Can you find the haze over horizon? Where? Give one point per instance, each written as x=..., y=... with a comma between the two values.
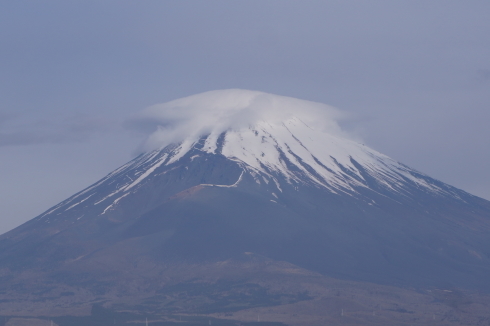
x=413, y=76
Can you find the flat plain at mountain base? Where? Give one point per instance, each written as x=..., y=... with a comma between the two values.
x=274, y=293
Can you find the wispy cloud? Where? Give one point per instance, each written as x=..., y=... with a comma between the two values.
x=19, y=130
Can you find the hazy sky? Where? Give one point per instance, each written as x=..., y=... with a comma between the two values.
x=414, y=75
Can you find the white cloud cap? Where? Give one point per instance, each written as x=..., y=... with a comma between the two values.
x=220, y=110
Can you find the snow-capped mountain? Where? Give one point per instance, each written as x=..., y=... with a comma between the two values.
x=273, y=182
x=274, y=152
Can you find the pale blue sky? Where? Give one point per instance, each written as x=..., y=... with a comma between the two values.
x=414, y=74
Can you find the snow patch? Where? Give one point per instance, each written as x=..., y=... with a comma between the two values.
x=225, y=186
x=114, y=203
x=147, y=172
x=79, y=202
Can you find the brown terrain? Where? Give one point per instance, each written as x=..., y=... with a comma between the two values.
x=296, y=297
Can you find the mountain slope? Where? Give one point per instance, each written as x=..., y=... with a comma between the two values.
x=334, y=198
x=281, y=192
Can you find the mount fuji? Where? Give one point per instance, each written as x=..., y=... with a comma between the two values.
x=246, y=196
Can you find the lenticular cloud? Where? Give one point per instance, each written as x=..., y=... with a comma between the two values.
x=220, y=110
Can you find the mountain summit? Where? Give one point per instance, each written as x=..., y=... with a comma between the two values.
x=238, y=183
